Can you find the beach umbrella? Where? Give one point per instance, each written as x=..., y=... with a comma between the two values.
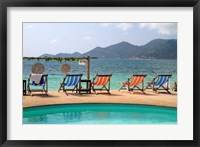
x=59, y=59
x=65, y=68
x=38, y=68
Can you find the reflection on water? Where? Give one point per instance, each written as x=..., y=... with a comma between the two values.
x=100, y=114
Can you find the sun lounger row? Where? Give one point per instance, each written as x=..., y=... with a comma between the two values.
x=100, y=83
x=160, y=82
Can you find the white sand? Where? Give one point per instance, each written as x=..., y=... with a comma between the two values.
x=122, y=97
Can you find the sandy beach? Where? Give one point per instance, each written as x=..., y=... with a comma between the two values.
x=122, y=97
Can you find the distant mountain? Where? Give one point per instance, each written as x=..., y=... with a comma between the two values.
x=155, y=49
x=120, y=50
x=160, y=49
x=46, y=55
x=63, y=55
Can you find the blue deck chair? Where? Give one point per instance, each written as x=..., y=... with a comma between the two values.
x=71, y=80
x=43, y=84
x=158, y=83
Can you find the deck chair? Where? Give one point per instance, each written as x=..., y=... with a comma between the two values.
x=71, y=80
x=101, y=80
x=159, y=83
x=41, y=81
x=133, y=83
x=175, y=86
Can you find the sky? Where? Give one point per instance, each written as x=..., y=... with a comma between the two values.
x=53, y=38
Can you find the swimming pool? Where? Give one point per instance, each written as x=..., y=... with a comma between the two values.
x=99, y=114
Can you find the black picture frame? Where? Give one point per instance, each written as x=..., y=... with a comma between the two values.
x=97, y=3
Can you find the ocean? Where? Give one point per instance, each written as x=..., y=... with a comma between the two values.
x=121, y=70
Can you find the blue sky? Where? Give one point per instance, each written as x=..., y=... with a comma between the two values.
x=53, y=38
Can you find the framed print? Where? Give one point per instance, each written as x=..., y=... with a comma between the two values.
x=82, y=73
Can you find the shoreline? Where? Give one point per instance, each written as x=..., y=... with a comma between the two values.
x=122, y=97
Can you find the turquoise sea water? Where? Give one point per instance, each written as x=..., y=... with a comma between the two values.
x=120, y=69
x=99, y=114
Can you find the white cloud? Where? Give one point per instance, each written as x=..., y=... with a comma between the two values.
x=121, y=26
x=124, y=26
x=87, y=38
x=54, y=41
x=162, y=28
x=106, y=24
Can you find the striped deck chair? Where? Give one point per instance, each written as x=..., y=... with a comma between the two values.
x=43, y=84
x=101, y=80
x=71, y=80
x=159, y=83
x=134, y=81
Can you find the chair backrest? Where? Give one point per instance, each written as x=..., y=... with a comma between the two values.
x=42, y=81
x=72, y=80
x=101, y=80
x=161, y=79
x=136, y=80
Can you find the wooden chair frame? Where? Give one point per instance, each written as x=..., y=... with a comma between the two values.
x=151, y=85
x=124, y=86
x=44, y=87
x=76, y=87
x=103, y=86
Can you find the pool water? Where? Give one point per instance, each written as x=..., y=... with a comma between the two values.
x=99, y=114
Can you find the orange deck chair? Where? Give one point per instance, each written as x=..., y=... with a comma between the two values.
x=101, y=80
x=133, y=82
